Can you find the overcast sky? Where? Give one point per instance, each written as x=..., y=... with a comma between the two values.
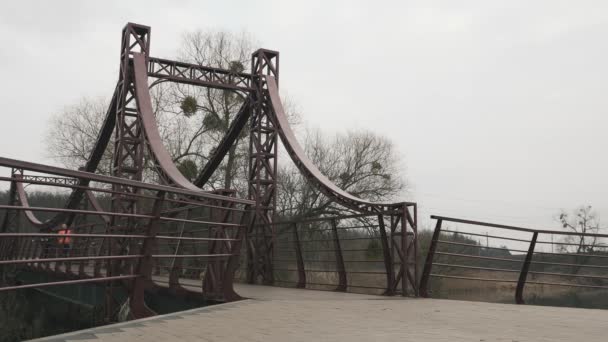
x=499, y=108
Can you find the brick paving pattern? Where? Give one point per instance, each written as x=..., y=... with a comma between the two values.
x=277, y=314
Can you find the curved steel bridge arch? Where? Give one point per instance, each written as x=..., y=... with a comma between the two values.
x=131, y=123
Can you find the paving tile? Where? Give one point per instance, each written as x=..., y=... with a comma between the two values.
x=277, y=314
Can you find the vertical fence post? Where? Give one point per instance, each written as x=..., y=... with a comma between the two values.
x=519, y=291
x=2, y=246
x=428, y=264
x=405, y=263
x=144, y=265
x=30, y=246
x=89, y=251
x=388, y=260
x=252, y=255
x=415, y=242
x=299, y=258
x=21, y=248
x=48, y=249
x=58, y=250
x=339, y=259
x=213, y=277
x=176, y=263
x=247, y=220
x=98, y=263
x=34, y=254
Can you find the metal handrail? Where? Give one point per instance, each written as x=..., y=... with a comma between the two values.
x=525, y=258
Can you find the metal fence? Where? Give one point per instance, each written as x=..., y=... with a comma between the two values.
x=363, y=253
x=524, y=258
x=169, y=232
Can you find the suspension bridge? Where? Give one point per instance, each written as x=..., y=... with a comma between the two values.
x=137, y=246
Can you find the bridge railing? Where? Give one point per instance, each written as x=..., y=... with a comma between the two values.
x=365, y=253
x=545, y=262
x=168, y=231
x=38, y=251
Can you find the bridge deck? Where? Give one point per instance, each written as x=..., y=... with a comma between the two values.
x=278, y=314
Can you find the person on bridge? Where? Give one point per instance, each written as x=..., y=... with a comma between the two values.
x=65, y=242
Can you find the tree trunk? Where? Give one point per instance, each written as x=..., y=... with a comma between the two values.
x=229, y=166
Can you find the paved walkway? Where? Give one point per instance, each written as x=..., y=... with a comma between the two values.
x=277, y=314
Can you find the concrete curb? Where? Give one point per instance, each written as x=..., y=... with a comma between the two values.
x=112, y=328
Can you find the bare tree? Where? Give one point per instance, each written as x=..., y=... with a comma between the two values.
x=73, y=131
x=583, y=221
x=362, y=163
x=207, y=113
x=215, y=109
x=191, y=120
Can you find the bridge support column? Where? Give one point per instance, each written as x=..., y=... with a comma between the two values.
x=129, y=143
x=262, y=170
x=407, y=249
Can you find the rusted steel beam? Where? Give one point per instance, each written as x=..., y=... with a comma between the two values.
x=234, y=260
x=7, y=162
x=387, y=257
x=68, y=282
x=193, y=203
x=262, y=175
x=130, y=142
x=61, y=181
x=129, y=139
x=414, y=241
x=183, y=256
x=129, y=146
x=502, y=226
x=64, y=259
x=396, y=252
x=212, y=280
x=21, y=249
x=35, y=251
x=214, y=275
x=175, y=270
x=199, y=75
x=299, y=258
x=521, y=282
x=10, y=216
x=404, y=255
x=174, y=273
x=428, y=264
x=408, y=243
x=113, y=214
x=24, y=202
x=229, y=139
x=165, y=167
x=20, y=235
x=144, y=266
x=341, y=269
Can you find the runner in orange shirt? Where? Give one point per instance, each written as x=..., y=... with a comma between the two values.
x=65, y=242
